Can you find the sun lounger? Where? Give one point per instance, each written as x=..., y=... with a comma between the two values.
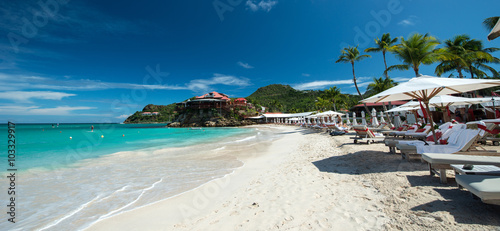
x=445, y=131
x=460, y=141
x=439, y=162
x=487, y=188
x=363, y=133
x=492, y=129
x=410, y=129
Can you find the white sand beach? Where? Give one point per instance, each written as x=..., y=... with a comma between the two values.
x=309, y=180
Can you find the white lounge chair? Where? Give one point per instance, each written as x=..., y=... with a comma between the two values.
x=460, y=141
x=487, y=188
x=363, y=133
x=439, y=162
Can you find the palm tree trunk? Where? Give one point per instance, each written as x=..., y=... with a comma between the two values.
x=471, y=72
x=334, y=107
x=459, y=70
x=356, y=85
x=385, y=63
x=416, y=71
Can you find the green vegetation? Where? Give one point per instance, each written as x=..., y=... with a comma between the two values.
x=385, y=44
x=167, y=113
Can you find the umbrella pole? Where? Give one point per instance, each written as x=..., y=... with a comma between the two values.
x=494, y=110
x=386, y=114
x=431, y=121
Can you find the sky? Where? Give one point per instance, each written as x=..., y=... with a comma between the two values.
x=65, y=61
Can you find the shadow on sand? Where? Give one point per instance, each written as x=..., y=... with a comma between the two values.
x=463, y=207
x=365, y=162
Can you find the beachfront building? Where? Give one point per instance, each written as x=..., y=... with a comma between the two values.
x=240, y=102
x=150, y=113
x=206, y=101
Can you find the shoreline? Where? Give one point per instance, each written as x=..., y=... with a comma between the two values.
x=310, y=180
x=190, y=204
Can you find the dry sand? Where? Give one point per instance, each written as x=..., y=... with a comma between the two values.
x=309, y=180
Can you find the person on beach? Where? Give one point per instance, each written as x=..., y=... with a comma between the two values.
x=92, y=128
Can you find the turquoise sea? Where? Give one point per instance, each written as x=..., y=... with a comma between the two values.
x=69, y=177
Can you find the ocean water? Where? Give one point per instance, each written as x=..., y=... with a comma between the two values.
x=68, y=183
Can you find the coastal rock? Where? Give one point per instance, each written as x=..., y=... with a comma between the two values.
x=210, y=124
x=175, y=124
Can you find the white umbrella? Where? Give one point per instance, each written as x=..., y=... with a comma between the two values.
x=348, y=122
x=448, y=100
x=397, y=120
x=374, y=118
x=354, y=121
x=426, y=87
x=382, y=120
x=495, y=32
x=363, y=119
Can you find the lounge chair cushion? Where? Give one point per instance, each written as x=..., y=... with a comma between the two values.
x=456, y=142
x=439, y=158
x=485, y=187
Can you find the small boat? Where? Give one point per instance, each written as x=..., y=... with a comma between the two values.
x=195, y=128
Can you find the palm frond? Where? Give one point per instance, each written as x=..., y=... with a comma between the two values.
x=490, y=22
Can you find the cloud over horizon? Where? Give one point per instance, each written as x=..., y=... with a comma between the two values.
x=23, y=82
x=264, y=5
x=410, y=21
x=245, y=65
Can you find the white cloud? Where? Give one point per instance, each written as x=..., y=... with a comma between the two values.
x=401, y=79
x=218, y=79
x=35, y=110
x=123, y=116
x=26, y=96
x=410, y=21
x=20, y=82
x=320, y=84
x=265, y=5
x=245, y=65
x=305, y=75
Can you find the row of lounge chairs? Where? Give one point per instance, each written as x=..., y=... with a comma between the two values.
x=457, y=145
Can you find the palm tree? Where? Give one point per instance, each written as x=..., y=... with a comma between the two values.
x=460, y=52
x=479, y=63
x=351, y=55
x=490, y=22
x=379, y=85
x=322, y=104
x=335, y=95
x=416, y=50
x=384, y=44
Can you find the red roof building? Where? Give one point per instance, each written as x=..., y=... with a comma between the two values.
x=214, y=95
x=209, y=100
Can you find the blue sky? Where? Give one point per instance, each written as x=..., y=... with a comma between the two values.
x=100, y=61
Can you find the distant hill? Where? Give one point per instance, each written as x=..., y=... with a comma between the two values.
x=274, y=97
x=166, y=114
x=278, y=97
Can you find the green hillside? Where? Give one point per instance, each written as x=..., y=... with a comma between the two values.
x=283, y=98
x=275, y=97
x=166, y=114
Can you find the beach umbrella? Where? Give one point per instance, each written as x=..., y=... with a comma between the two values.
x=397, y=120
x=424, y=88
x=354, y=121
x=382, y=120
x=495, y=32
x=348, y=122
x=374, y=118
x=363, y=119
